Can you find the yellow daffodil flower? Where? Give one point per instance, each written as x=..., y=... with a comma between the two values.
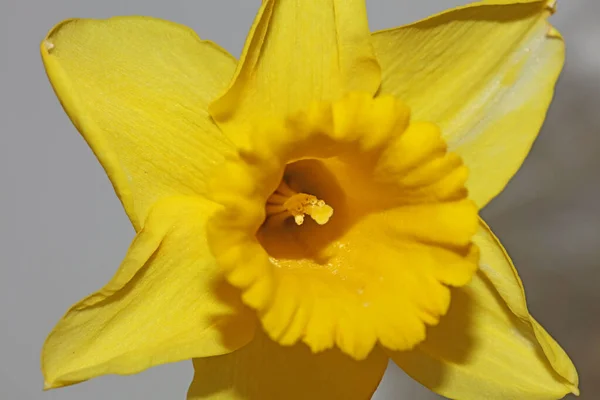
x=308, y=212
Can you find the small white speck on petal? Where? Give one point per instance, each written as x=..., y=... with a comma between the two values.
x=48, y=45
x=551, y=6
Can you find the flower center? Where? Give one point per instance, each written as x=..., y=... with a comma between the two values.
x=286, y=202
x=376, y=271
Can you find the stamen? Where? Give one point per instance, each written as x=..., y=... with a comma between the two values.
x=284, y=189
x=286, y=202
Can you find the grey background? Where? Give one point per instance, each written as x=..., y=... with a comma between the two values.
x=63, y=232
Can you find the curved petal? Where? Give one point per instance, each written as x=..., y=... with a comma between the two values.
x=298, y=52
x=264, y=370
x=485, y=73
x=488, y=346
x=138, y=89
x=167, y=302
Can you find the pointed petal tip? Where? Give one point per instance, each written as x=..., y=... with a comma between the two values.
x=51, y=381
x=58, y=382
x=50, y=384
x=573, y=387
x=553, y=33
x=47, y=44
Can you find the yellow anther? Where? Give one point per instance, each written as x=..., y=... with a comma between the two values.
x=302, y=204
x=285, y=203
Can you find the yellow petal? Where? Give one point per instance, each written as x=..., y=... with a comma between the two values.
x=167, y=302
x=488, y=346
x=298, y=52
x=485, y=73
x=264, y=370
x=138, y=90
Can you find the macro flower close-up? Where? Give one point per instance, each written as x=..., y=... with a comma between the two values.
x=310, y=212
